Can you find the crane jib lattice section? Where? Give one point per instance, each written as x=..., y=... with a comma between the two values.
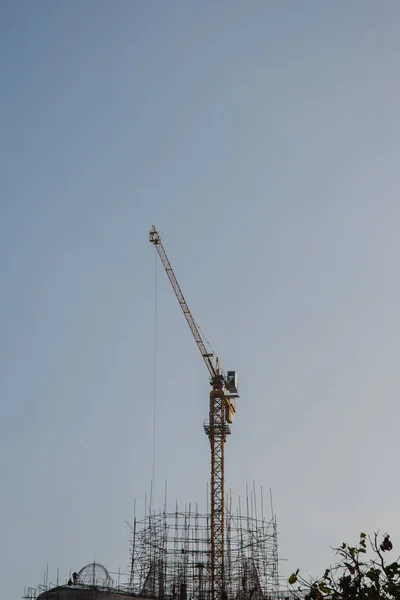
x=181, y=299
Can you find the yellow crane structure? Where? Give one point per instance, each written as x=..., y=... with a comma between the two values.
x=221, y=409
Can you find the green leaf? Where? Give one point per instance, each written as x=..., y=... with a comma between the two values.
x=325, y=589
x=292, y=579
x=363, y=536
x=373, y=574
x=326, y=574
x=370, y=574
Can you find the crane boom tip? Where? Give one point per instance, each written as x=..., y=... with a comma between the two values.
x=154, y=237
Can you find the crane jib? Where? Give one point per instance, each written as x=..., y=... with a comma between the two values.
x=156, y=240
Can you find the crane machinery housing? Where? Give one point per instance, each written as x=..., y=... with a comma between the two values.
x=222, y=407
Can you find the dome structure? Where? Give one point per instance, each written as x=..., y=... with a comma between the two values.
x=94, y=575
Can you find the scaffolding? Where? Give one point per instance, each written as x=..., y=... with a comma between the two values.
x=171, y=559
x=171, y=554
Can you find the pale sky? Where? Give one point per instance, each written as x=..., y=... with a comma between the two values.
x=262, y=139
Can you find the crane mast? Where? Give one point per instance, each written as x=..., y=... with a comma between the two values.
x=221, y=410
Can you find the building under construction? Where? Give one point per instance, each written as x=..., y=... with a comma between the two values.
x=171, y=560
x=225, y=554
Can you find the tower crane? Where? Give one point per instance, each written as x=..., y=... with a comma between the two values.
x=221, y=409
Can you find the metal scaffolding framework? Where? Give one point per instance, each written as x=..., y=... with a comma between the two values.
x=171, y=558
x=171, y=555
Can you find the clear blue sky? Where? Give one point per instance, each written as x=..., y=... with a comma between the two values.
x=262, y=138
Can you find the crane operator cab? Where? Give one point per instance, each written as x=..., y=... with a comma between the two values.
x=231, y=382
x=231, y=388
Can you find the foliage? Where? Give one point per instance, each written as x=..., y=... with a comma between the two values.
x=355, y=576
